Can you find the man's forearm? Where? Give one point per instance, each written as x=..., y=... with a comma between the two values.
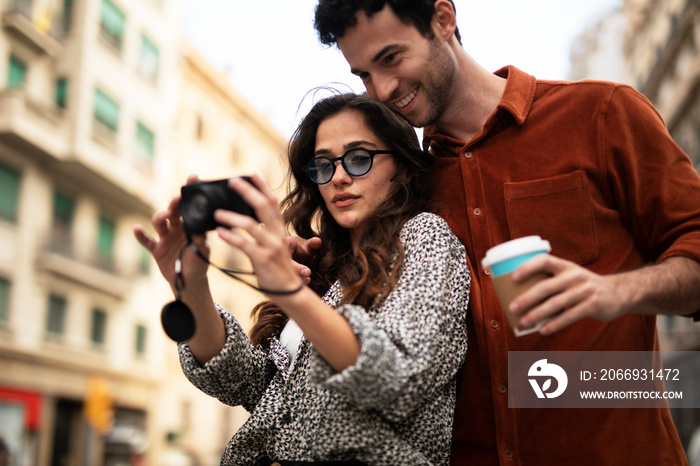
x=671, y=287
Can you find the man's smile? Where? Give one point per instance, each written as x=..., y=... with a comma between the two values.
x=407, y=99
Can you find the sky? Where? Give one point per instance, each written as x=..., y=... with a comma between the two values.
x=271, y=54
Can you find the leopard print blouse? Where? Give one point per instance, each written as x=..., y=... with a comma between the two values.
x=393, y=407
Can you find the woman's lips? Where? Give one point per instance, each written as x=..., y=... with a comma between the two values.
x=344, y=199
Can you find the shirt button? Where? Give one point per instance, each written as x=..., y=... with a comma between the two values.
x=502, y=388
x=468, y=155
x=494, y=323
x=508, y=452
x=477, y=211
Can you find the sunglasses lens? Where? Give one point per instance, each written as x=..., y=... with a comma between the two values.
x=357, y=162
x=320, y=170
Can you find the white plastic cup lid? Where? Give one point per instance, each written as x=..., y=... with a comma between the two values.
x=514, y=248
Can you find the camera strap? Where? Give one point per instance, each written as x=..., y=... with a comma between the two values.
x=233, y=274
x=176, y=317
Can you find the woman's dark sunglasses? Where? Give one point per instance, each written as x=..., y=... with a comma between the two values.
x=356, y=162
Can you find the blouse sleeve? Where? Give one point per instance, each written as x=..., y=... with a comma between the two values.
x=414, y=343
x=239, y=375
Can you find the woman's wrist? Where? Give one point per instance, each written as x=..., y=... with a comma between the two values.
x=294, y=298
x=195, y=294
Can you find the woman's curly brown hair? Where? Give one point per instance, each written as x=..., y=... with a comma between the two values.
x=368, y=266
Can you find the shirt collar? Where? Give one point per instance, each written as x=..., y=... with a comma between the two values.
x=517, y=100
x=519, y=93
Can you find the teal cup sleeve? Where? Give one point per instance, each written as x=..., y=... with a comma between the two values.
x=509, y=265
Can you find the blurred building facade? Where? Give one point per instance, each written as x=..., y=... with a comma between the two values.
x=103, y=110
x=597, y=52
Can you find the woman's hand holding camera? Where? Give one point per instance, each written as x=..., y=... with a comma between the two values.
x=171, y=245
x=267, y=247
x=266, y=241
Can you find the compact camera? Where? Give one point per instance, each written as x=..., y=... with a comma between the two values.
x=202, y=198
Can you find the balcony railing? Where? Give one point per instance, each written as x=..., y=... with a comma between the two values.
x=34, y=127
x=49, y=19
x=60, y=257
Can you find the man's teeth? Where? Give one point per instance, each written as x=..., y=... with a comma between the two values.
x=406, y=100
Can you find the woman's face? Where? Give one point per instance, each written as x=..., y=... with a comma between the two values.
x=353, y=199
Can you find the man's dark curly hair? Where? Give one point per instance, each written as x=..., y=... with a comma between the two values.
x=333, y=17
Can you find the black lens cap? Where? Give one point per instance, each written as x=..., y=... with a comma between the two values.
x=178, y=321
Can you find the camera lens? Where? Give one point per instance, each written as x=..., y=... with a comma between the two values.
x=198, y=207
x=201, y=199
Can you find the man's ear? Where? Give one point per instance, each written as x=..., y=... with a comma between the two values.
x=444, y=21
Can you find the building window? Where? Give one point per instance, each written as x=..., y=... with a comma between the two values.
x=63, y=213
x=148, y=61
x=67, y=15
x=670, y=323
x=99, y=327
x=674, y=23
x=9, y=193
x=105, y=242
x=145, y=261
x=17, y=73
x=199, y=129
x=4, y=301
x=112, y=22
x=106, y=111
x=61, y=92
x=140, y=345
x=55, y=324
x=145, y=143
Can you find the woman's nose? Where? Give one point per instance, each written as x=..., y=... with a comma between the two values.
x=340, y=176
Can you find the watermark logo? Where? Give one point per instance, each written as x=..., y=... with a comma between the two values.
x=603, y=379
x=546, y=372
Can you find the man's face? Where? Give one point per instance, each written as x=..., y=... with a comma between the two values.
x=410, y=73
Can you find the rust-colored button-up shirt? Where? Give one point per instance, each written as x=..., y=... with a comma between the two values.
x=590, y=167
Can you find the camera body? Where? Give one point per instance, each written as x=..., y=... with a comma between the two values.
x=202, y=198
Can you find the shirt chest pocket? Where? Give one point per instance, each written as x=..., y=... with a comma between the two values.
x=559, y=209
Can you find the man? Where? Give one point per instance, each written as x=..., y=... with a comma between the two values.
x=589, y=167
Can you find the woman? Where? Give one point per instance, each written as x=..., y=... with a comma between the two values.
x=367, y=372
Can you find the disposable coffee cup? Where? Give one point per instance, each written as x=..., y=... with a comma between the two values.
x=502, y=260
